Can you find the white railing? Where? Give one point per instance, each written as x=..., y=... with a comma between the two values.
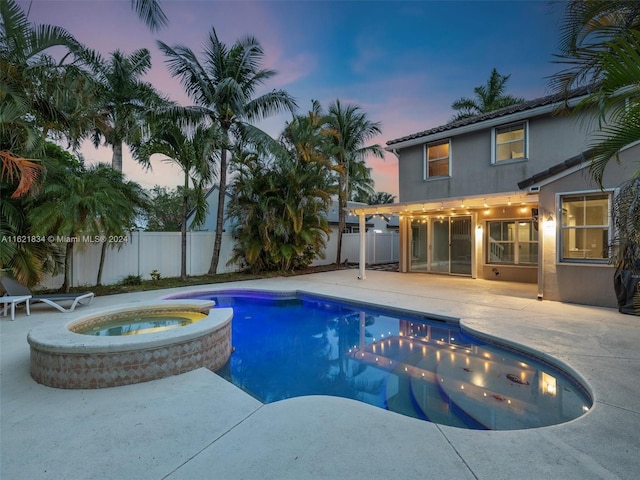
x=143, y=252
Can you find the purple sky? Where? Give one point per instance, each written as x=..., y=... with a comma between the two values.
x=404, y=63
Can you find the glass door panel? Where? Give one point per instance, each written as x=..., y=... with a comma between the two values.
x=440, y=246
x=418, y=246
x=461, y=246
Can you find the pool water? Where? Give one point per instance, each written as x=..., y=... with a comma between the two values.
x=304, y=345
x=135, y=324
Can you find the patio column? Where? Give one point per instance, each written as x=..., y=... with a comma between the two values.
x=363, y=246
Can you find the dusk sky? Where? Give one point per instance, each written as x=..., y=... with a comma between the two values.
x=404, y=63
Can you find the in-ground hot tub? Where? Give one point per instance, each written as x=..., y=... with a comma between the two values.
x=63, y=358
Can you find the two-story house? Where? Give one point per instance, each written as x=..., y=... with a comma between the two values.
x=507, y=195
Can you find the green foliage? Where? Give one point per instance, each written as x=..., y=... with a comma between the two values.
x=164, y=213
x=351, y=133
x=600, y=45
x=488, y=97
x=130, y=280
x=279, y=210
x=150, y=12
x=155, y=275
x=223, y=84
x=122, y=100
x=377, y=198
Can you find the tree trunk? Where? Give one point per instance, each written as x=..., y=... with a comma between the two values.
x=213, y=269
x=103, y=254
x=116, y=158
x=67, y=267
x=183, y=234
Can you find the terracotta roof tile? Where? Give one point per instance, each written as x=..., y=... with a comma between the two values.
x=520, y=107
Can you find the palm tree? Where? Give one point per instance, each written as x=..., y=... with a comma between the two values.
x=30, y=92
x=488, y=97
x=587, y=28
x=33, y=104
x=117, y=216
x=360, y=182
x=150, y=12
x=279, y=208
x=123, y=99
x=351, y=131
x=618, y=102
x=380, y=198
x=223, y=87
x=600, y=44
x=70, y=205
x=193, y=152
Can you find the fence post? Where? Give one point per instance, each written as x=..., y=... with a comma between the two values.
x=139, y=248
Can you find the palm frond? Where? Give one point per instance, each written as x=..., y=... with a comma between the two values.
x=150, y=12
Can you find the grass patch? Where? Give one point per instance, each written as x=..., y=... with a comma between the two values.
x=172, y=282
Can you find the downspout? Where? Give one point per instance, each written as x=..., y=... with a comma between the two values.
x=542, y=232
x=363, y=246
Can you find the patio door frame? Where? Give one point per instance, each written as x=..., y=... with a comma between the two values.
x=432, y=242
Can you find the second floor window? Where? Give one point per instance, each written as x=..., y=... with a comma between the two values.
x=510, y=142
x=437, y=160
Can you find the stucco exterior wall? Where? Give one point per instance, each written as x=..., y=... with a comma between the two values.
x=582, y=283
x=552, y=139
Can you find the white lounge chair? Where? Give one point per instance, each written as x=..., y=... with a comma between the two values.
x=15, y=289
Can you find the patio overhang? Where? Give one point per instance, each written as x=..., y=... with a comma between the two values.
x=451, y=206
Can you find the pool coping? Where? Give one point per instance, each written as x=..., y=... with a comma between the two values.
x=56, y=338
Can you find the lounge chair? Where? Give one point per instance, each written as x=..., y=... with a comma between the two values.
x=12, y=301
x=15, y=289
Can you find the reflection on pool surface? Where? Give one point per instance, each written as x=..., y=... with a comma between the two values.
x=137, y=323
x=303, y=345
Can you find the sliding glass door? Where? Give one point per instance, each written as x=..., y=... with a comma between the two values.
x=440, y=254
x=418, y=246
x=451, y=245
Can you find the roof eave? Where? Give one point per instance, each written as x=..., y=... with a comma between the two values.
x=481, y=125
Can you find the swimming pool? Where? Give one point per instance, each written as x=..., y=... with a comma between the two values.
x=297, y=344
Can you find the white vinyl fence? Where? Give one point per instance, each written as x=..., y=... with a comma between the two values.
x=142, y=252
x=381, y=247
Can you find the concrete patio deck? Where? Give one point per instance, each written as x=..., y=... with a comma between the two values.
x=198, y=426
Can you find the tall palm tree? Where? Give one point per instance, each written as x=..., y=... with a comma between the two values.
x=33, y=102
x=193, y=152
x=488, y=97
x=352, y=130
x=223, y=87
x=123, y=99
